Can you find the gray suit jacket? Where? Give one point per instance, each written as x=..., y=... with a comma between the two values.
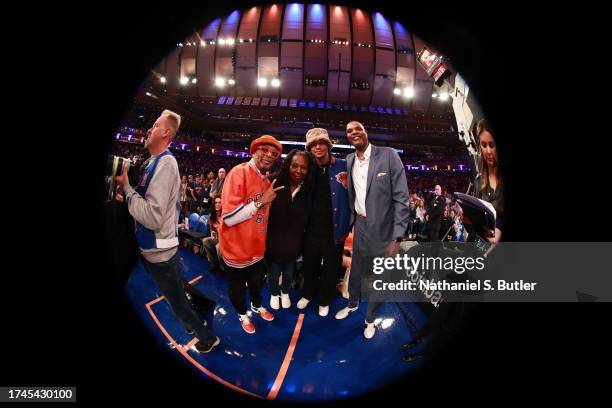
x=386, y=195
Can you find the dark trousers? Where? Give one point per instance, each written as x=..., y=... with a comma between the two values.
x=167, y=276
x=275, y=271
x=238, y=278
x=434, y=230
x=440, y=325
x=317, y=281
x=413, y=226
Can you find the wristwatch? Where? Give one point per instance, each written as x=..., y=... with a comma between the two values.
x=258, y=204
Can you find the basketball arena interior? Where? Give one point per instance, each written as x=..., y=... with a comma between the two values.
x=281, y=70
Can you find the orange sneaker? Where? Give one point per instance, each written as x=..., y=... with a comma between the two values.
x=263, y=312
x=246, y=324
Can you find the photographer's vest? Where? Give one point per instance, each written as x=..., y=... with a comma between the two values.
x=146, y=238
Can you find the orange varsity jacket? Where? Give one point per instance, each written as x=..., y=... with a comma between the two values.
x=244, y=243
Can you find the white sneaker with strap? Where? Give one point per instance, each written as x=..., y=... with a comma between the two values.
x=369, y=330
x=343, y=313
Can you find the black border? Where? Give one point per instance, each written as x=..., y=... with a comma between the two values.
x=61, y=335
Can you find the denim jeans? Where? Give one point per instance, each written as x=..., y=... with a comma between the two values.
x=167, y=276
x=275, y=271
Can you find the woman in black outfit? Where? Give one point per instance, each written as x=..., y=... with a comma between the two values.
x=489, y=184
x=211, y=243
x=488, y=187
x=286, y=225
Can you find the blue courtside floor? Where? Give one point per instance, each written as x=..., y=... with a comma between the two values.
x=298, y=357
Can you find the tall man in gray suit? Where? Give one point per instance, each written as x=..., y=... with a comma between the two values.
x=378, y=197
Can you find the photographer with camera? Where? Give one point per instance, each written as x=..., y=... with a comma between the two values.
x=155, y=206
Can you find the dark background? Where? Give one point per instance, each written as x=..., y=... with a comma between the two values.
x=538, y=75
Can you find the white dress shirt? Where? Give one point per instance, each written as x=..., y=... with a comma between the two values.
x=360, y=180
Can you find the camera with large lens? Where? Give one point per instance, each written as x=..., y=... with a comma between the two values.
x=115, y=166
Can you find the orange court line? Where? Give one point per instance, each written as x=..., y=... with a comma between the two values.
x=191, y=343
x=194, y=280
x=191, y=359
x=191, y=282
x=280, y=377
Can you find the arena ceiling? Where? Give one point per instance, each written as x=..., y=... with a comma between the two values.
x=290, y=67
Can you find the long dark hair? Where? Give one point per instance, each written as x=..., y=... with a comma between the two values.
x=483, y=169
x=284, y=179
x=213, y=213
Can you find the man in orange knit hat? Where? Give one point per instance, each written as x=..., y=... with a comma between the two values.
x=245, y=200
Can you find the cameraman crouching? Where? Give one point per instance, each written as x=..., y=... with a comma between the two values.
x=155, y=206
